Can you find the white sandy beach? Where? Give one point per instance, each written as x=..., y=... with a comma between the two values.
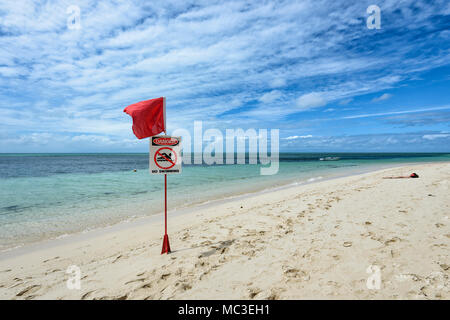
x=311, y=241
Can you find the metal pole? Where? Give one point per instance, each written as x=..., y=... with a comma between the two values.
x=166, y=245
x=165, y=203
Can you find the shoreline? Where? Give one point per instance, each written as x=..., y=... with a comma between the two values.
x=133, y=221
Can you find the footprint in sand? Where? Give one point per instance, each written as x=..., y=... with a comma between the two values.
x=118, y=258
x=164, y=276
x=347, y=244
x=395, y=239
x=445, y=267
x=184, y=286
x=87, y=294
x=146, y=285
x=135, y=280
x=52, y=271
x=296, y=274
x=28, y=290
x=253, y=292
x=55, y=258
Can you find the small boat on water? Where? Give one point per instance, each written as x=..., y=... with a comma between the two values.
x=329, y=159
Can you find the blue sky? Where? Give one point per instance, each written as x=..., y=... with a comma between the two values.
x=309, y=68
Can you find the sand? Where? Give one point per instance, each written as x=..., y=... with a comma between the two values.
x=318, y=241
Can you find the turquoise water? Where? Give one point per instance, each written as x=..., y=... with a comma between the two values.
x=48, y=195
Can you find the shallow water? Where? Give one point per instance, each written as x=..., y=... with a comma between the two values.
x=48, y=195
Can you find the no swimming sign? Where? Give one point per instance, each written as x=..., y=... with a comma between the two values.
x=165, y=155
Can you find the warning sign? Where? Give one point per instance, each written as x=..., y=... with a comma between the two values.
x=165, y=155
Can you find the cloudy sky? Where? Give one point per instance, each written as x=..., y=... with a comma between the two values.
x=312, y=69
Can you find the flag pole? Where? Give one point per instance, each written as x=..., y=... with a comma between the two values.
x=165, y=204
x=166, y=245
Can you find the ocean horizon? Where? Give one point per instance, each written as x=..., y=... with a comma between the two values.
x=48, y=195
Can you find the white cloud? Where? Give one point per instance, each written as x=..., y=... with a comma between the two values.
x=357, y=116
x=345, y=101
x=298, y=137
x=278, y=82
x=270, y=96
x=436, y=136
x=384, y=96
x=310, y=101
x=385, y=142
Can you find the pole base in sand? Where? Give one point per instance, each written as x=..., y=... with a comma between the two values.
x=166, y=245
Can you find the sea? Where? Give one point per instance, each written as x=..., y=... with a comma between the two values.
x=45, y=196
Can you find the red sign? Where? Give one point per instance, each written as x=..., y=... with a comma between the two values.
x=165, y=158
x=165, y=141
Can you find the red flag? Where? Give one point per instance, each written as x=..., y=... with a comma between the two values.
x=149, y=117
